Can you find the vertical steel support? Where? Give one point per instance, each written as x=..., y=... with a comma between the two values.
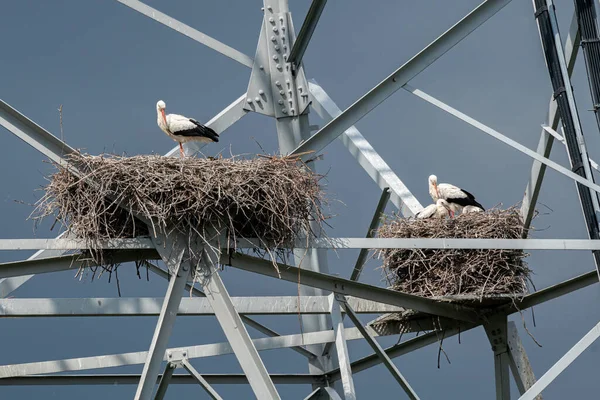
x=519, y=362
x=378, y=349
x=590, y=42
x=341, y=347
x=233, y=327
x=181, y=270
x=362, y=256
x=563, y=93
x=538, y=169
x=205, y=385
x=275, y=91
x=164, y=381
x=496, y=330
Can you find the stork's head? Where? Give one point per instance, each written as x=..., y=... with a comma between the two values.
x=433, y=184
x=160, y=109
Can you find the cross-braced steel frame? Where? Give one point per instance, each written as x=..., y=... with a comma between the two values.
x=278, y=88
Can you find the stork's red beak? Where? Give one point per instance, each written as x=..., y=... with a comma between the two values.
x=436, y=190
x=163, y=115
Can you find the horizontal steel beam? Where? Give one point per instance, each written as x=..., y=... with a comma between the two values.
x=504, y=139
x=326, y=243
x=198, y=306
x=133, y=379
x=400, y=77
x=350, y=288
x=197, y=351
x=188, y=31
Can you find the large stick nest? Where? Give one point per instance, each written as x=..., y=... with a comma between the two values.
x=270, y=198
x=451, y=272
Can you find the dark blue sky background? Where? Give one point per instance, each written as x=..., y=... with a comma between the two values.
x=108, y=65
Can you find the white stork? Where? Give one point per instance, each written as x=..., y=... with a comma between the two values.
x=440, y=209
x=457, y=197
x=183, y=129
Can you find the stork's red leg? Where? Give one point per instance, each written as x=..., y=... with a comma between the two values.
x=181, y=150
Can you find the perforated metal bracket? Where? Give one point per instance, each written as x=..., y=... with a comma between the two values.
x=176, y=357
x=273, y=89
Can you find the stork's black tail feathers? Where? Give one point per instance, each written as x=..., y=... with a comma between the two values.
x=205, y=131
x=476, y=204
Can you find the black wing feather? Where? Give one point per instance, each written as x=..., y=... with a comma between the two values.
x=199, y=130
x=465, y=201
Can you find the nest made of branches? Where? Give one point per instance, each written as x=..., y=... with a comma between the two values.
x=271, y=198
x=450, y=272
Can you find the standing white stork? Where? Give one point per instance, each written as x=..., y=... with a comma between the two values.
x=440, y=209
x=183, y=129
x=457, y=197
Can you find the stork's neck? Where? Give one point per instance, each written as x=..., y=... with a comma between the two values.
x=161, y=119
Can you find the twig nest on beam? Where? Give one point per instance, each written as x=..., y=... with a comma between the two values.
x=271, y=198
x=450, y=272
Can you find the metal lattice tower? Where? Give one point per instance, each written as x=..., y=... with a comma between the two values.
x=278, y=88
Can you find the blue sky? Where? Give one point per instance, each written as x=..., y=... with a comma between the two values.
x=108, y=65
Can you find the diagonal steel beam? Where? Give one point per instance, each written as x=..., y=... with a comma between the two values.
x=188, y=31
x=33, y=134
x=562, y=364
x=165, y=379
x=398, y=350
x=538, y=169
x=173, y=257
x=558, y=290
x=249, y=321
x=341, y=348
x=234, y=329
x=378, y=350
x=306, y=32
x=139, y=357
x=400, y=77
x=200, y=379
x=348, y=287
x=362, y=256
x=57, y=263
x=504, y=139
x=365, y=154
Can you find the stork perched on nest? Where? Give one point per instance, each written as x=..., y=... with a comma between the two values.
x=183, y=129
x=440, y=209
x=457, y=198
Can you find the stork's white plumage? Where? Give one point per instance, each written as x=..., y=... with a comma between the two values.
x=441, y=209
x=183, y=129
x=471, y=209
x=457, y=198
